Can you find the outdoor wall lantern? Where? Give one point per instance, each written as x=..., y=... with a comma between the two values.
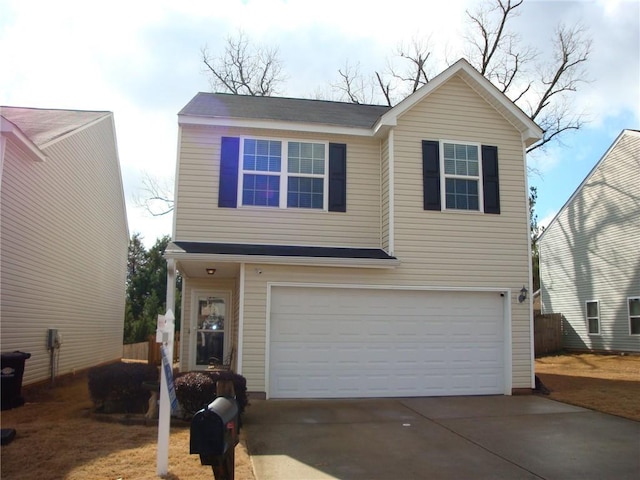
x=211, y=271
x=523, y=294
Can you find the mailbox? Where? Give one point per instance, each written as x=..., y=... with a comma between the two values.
x=214, y=431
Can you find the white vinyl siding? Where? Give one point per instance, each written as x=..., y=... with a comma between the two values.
x=64, y=252
x=590, y=251
x=198, y=217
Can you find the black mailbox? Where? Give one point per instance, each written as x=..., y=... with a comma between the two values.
x=214, y=430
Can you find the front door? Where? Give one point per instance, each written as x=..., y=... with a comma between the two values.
x=210, y=326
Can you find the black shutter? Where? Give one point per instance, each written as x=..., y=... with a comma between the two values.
x=337, y=177
x=431, y=174
x=490, y=182
x=228, y=187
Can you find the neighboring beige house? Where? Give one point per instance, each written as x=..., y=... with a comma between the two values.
x=339, y=250
x=590, y=255
x=64, y=239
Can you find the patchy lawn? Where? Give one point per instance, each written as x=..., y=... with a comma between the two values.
x=607, y=383
x=57, y=439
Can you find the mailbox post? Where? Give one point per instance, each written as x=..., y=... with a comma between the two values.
x=214, y=436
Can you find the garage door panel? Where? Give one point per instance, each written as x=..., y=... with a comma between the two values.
x=367, y=342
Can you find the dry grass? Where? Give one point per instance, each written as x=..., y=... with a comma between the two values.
x=607, y=383
x=57, y=439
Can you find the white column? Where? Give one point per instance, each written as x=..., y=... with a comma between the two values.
x=165, y=336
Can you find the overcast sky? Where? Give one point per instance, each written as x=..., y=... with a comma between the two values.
x=141, y=60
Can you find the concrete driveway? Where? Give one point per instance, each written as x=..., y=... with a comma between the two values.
x=497, y=437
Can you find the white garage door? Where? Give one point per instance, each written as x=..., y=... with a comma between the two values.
x=336, y=343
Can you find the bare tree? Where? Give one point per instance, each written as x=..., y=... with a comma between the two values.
x=550, y=109
x=244, y=68
x=539, y=87
x=497, y=53
x=394, y=82
x=155, y=196
x=353, y=86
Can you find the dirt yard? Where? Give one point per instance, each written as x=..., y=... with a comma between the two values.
x=607, y=383
x=58, y=439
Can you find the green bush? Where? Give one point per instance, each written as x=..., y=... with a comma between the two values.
x=196, y=390
x=117, y=387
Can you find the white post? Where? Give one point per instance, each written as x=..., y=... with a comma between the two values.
x=165, y=336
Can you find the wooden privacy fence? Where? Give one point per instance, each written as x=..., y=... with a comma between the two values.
x=136, y=351
x=547, y=333
x=149, y=350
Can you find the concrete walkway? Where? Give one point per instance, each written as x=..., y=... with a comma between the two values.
x=496, y=437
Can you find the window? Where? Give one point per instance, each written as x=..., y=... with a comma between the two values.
x=461, y=176
x=593, y=317
x=634, y=315
x=283, y=174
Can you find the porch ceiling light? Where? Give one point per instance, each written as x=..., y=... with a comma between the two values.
x=211, y=271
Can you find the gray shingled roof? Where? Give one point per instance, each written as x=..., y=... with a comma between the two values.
x=44, y=125
x=225, y=105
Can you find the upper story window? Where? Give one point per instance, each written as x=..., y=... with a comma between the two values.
x=634, y=315
x=460, y=176
x=593, y=317
x=462, y=186
x=283, y=174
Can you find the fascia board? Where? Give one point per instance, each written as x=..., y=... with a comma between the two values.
x=23, y=142
x=274, y=260
x=274, y=125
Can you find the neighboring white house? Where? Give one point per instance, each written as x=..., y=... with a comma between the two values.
x=590, y=255
x=339, y=250
x=64, y=239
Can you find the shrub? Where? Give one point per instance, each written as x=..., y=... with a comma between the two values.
x=196, y=390
x=117, y=387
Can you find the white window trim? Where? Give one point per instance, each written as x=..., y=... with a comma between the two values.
x=284, y=174
x=444, y=176
x=587, y=317
x=629, y=314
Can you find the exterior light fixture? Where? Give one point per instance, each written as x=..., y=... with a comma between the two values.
x=523, y=294
x=211, y=271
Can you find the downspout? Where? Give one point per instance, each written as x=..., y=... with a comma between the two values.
x=392, y=243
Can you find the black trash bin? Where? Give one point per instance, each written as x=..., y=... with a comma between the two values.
x=12, y=367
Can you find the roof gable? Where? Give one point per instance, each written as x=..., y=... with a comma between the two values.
x=43, y=126
x=603, y=159
x=529, y=130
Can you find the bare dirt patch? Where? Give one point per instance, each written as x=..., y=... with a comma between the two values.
x=607, y=383
x=58, y=439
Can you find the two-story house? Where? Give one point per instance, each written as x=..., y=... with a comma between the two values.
x=341, y=250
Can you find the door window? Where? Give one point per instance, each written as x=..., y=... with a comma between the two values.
x=210, y=331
